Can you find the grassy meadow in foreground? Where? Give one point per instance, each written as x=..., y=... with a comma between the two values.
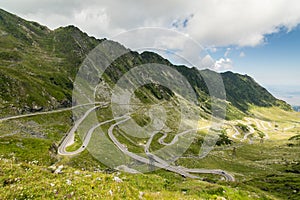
x=267, y=170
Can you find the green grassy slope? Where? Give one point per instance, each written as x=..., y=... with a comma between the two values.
x=19, y=182
x=38, y=67
x=37, y=70
x=242, y=90
x=37, y=64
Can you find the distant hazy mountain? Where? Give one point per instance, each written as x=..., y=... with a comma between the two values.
x=296, y=108
x=289, y=93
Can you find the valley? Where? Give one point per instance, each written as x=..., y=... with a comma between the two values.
x=69, y=134
x=253, y=158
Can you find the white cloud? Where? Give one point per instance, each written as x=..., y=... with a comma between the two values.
x=223, y=64
x=210, y=22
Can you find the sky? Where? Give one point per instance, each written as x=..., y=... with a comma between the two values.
x=254, y=37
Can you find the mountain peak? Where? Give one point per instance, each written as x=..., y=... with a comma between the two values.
x=65, y=48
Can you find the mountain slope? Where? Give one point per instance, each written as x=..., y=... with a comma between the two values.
x=37, y=64
x=242, y=90
x=37, y=70
x=38, y=67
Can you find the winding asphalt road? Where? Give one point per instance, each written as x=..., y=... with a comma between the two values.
x=46, y=112
x=69, y=138
x=223, y=173
x=158, y=162
x=143, y=159
x=236, y=133
x=259, y=124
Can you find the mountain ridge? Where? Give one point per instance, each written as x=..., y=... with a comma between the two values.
x=31, y=52
x=258, y=146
